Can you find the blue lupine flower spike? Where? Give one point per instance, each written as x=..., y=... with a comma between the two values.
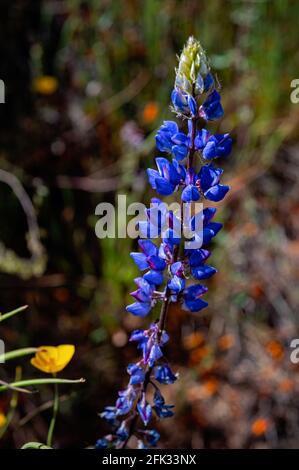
x=171, y=270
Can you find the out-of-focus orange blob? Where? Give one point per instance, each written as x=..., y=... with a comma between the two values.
x=193, y=340
x=226, y=342
x=286, y=386
x=210, y=386
x=259, y=426
x=200, y=353
x=275, y=349
x=150, y=112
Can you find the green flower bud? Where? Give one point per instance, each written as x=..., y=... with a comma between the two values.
x=193, y=68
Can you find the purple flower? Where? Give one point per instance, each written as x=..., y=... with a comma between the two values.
x=209, y=178
x=145, y=290
x=169, y=139
x=191, y=191
x=211, y=108
x=218, y=145
x=137, y=374
x=164, y=375
x=139, y=309
x=126, y=400
x=166, y=179
x=148, y=259
x=168, y=266
x=208, y=82
x=144, y=410
x=122, y=432
x=109, y=414
x=183, y=102
x=150, y=342
x=197, y=257
x=179, y=100
x=101, y=443
x=152, y=436
x=177, y=282
x=162, y=410
x=192, y=298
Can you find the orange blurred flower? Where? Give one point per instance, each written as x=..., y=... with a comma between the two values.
x=210, y=386
x=286, y=386
x=193, y=340
x=226, y=342
x=150, y=112
x=256, y=290
x=199, y=354
x=275, y=349
x=259, y=426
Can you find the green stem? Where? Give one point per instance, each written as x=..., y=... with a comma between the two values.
x=5, y=316
x=28, y=383
x=16, y=353
x=13, y=404
x=55, y=412
x=35, y=445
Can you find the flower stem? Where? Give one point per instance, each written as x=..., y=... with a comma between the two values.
x=28, y=383
x=55, y=412
x=16, y=353
x=13, y=404
x=5, y=316
x=35, y=445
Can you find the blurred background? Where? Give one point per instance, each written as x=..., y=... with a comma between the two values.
x=87, y=85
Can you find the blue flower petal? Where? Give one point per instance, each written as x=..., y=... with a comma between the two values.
x=195, y=291
x=179, y=152
x=195, y=305
x=140, y=260
x=190, y=193
x=216, y=193
x=208, y=82
x=198, y=257
x=212, y=109
x=152, y=175
x=164, y=187
x=203, y=272
x=156, y=263
x=192, y=105
x=148, y=247
x=164, y=375
x=209, y=176
x=180, y=139
x=154, y=277
x=201, y=139
x=208, y=214
x=145, y=411
x=140, y=309
x=179, y=101
x=176, y=284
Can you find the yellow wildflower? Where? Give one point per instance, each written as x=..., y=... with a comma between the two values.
x=52, y=359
